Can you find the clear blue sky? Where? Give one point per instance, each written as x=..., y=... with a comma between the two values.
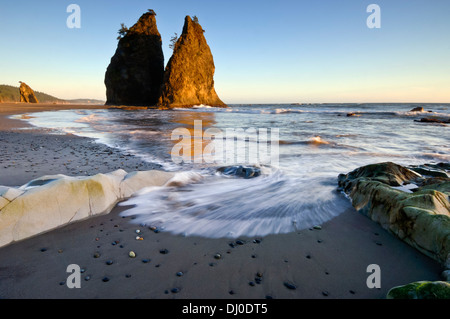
x=264, y=51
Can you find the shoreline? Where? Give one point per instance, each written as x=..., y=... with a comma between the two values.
x=28, y=152
x=330, y=262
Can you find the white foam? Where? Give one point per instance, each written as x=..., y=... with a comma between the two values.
x=406, y=188
x=232, y=207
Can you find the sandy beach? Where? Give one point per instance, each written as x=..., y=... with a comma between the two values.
x=329, y=263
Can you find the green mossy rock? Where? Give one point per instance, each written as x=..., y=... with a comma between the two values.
x=421, y=290
x=420, y=216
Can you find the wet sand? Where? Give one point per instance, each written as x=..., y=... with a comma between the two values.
x=326, y=263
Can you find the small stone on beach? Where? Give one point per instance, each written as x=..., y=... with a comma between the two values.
x=289, y=285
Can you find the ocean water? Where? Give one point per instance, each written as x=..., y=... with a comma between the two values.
x=297, y=150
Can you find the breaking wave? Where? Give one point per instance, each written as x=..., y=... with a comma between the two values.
x=220, y=206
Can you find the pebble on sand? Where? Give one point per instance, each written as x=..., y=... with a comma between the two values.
x=289, y=285
x=132, y=254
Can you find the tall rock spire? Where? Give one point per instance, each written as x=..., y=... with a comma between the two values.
x=136, y=71
x=27, y=94
x=189, y=74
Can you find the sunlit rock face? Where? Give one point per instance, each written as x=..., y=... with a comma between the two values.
x=27, y=94
x=189, y=75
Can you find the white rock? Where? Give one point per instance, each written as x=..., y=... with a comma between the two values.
x=52, y=201
x=3, y=202
x=135, y=181
x=10, y=193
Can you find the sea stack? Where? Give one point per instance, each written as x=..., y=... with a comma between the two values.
x=136, y=71
x=189, y=74
x=27, y=94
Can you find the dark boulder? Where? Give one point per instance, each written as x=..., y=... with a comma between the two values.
x=240, y=171
x=136, y=71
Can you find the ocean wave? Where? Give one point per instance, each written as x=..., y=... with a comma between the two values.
x=142, y=132
x=318, y=111
x=437, y=156
x=202, y=106
x=233, y=207
x=314, y=141
x=91, y=118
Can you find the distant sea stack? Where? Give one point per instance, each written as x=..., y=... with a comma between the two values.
x=27, y=94
x=136, y=71
x=189, y=74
